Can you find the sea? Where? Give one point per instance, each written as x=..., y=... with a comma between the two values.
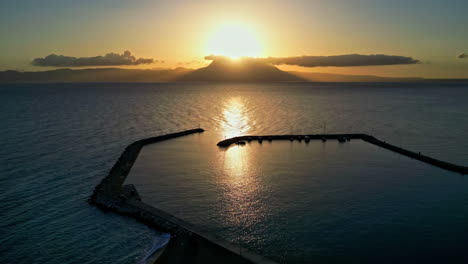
x=290, y=201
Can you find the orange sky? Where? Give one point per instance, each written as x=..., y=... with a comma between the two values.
x=181, y=33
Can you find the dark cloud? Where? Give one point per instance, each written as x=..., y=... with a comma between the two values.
x=334, y=61
x=191, y=62
x=215, y=57
x=110, y=59
x=343, y=60
x=462, y=56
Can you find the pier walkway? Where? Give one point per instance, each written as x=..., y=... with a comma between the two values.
x=343, y=137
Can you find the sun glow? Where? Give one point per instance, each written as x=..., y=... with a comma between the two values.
x=234, y=40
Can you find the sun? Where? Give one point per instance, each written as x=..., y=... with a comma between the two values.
x=234, y=39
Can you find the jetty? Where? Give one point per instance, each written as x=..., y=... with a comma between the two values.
x=346, y=137
x=188, y=243
x=192, y=244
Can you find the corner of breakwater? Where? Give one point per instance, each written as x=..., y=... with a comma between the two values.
x=368, y=138
x=189, y=244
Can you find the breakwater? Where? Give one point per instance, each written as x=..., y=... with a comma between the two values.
x=189, y=243
x=343, y=137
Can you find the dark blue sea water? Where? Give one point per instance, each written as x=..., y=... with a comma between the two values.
x=321, y=202
x=60, y=140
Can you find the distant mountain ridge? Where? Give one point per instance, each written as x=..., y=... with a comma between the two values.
x=331, y=77
x=220, y=70
x=240, y=70
x=93, y=75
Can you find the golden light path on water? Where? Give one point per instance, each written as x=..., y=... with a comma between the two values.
x=274, y=197
x=239, y=177
x=235, y=120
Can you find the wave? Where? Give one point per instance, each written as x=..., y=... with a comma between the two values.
x=158, y=243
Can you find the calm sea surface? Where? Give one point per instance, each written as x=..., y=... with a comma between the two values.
x=292, y=202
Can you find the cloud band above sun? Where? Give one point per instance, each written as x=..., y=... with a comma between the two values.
x=110, y=59
x=348, y=60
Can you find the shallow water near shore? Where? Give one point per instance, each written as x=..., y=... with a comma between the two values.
x=60, y=140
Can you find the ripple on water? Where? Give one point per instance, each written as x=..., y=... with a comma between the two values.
x=59, y=141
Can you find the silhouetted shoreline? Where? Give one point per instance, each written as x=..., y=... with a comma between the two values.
x=211, y=73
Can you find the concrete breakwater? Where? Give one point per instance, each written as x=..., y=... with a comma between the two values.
x=189, y=244
x=370, y=139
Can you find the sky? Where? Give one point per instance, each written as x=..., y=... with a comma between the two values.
x=181, y=33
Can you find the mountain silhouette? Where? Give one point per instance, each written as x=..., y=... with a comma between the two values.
x=224, y=69
x=221, y=69
x=332, y=77
x=93, y=75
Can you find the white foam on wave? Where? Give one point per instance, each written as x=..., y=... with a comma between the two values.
x=158, y=242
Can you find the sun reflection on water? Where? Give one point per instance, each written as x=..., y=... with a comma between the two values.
x=242, y=189
x=236, y=161
x=239, y=177
x=235, y=119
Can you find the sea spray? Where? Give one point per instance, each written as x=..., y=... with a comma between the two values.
x=158, y=243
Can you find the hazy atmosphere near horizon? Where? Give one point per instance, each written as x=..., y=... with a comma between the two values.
x=170, y=34
x=173, y=132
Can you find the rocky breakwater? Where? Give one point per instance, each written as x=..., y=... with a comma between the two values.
x=188, y=244
x=343, y=138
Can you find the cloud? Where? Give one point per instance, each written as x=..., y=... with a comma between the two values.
x=191, y=62
x=463, y=56
x=215, y=57
x=334, y=61
x=110, y=59
x=343, y=60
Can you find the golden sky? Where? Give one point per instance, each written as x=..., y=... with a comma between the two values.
x=181, y=33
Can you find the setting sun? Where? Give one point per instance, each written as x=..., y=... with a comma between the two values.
x=234, y=40
x=298, y=131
